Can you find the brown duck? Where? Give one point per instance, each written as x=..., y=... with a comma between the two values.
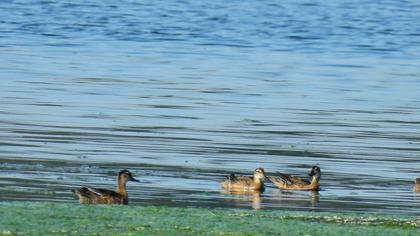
x=286, y=181
x=417, y=185
x=89, y=195
x=245, y=183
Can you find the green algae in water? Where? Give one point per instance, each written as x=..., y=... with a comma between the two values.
x=24, y=218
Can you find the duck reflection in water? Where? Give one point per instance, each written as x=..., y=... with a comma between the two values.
x=298, y=199
x=245, y=197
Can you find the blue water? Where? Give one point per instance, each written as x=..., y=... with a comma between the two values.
x=184, y=92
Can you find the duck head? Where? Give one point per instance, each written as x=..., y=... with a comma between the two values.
x=124, y=176
x=315, y=173
x=259, y=174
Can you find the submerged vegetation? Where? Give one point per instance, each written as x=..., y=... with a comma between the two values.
x=34, y=218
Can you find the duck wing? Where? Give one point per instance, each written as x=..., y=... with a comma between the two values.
x=291, y=179
x=98, y=192
x=240, y=179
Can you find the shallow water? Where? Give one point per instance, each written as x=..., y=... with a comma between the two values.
x=183, y=93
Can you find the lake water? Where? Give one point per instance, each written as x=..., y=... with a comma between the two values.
x=184, y=92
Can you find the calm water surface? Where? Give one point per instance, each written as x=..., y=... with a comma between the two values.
x=184, y=92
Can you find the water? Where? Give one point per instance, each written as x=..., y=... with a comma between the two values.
x=184, y=92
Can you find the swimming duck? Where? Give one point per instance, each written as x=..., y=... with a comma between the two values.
x=417, y=185
x=241, y=183
x=89, y=195
x=286, y=181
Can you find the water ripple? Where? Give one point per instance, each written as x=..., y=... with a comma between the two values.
x=183, y=93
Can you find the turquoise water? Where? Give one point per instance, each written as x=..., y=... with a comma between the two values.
x=184, y=92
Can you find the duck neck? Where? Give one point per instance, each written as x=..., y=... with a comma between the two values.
x=315, y=179
x=258, y=182
x=121, y=187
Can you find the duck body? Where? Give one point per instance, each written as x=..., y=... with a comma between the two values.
x=245, y=183
x=287, y=181
x=90, y=195
x=416, y=185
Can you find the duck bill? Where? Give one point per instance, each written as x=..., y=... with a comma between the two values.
x=135, y=180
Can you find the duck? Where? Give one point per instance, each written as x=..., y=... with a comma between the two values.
x=89, y=195
x=287, y=181
x=245, y=183
x=416, y=185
